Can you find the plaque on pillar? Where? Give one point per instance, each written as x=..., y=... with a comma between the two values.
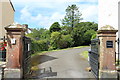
x=13, y=41
x=109, y=44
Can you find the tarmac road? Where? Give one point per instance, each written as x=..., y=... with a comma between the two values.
x=64, y=64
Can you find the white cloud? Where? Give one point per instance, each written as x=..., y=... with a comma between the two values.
x=40, y=19
x=88, y=0
x=90, y=13
x=45, y=12
x=47, y=1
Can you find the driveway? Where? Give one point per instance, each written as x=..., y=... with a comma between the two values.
x=64, y=64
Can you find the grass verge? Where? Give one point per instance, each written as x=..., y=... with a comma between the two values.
x=84, y=54
x=42, y=52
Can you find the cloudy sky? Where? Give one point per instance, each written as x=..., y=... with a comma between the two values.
x=42, y=13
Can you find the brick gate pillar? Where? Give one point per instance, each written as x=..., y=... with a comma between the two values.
x=15, y=34
x=107, y=37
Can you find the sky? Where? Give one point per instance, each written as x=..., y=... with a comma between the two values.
x=43, y=13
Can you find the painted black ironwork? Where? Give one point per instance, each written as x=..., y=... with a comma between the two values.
x=2, y=52
x=118, y=53
x=3, y=39
x=26, y=56
x=3, y=55
x=94, y=57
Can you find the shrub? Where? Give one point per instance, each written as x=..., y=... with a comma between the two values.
x=40, y=45
x=65, y=41
x=94, y=36
x=55, y=27
x=88, y=36
x=54, y=40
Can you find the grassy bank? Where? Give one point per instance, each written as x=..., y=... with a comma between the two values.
x=43, y=52
x=84, y=54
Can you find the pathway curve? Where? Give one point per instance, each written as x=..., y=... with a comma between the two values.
x=64, y=64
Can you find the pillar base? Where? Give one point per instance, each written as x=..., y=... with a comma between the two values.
x=12, y=73
x=103, y=74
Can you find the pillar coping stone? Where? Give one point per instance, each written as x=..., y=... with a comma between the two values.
x=106, y=29
x=16, y=27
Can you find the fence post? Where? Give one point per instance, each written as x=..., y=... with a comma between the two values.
x=13, y=68
x=107, y=37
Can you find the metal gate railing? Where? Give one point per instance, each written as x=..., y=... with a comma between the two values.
x=26, y=56
x=3, y=44
x=118, y=53
x=94, y=57
x=3, y=55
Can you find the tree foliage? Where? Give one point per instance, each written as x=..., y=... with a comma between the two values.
x=81, y=34
x=39, y=34
x=39, y=45
x=73, y=16
x=87, y=36
x=66, y=41
x=54, y=40
x=71, y=33
x=55, y=27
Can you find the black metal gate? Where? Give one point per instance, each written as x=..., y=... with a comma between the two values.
x=94, y=57
x=3, y=44
x=118, y=53
x=3, y=55
x=26, y=56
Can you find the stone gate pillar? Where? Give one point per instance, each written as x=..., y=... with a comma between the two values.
x=107, y=37
x=14, y=51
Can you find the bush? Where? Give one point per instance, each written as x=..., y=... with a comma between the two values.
x=94, y=36
x=54, y=40
x=40, y=45
x=87, y=36
x=59, y=41
x=77, y=35
x=65, y=41
x=55, y=27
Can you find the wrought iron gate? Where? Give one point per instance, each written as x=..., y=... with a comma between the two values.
x=118, y=53
x=3, y=49
x=3, y=55
x=26, y=56
x=94, y=57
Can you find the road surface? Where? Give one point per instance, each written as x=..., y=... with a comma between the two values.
x=64, y=64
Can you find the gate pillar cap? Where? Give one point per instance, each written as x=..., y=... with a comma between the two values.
x=107, y=29
x=16, y=27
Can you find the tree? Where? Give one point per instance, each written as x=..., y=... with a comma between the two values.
x=39, y=34
x=77, y=35
x=73, y=16
x=94, y=36
x=65, y=41
x=88, y=35
x=87, y=26
x=55, y=27
x=82, y=33
x=54, y=40
x=45, y=35
x=65, y=30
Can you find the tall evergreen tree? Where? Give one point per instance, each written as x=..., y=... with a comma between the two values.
x=72, y=17
x=55, y=27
